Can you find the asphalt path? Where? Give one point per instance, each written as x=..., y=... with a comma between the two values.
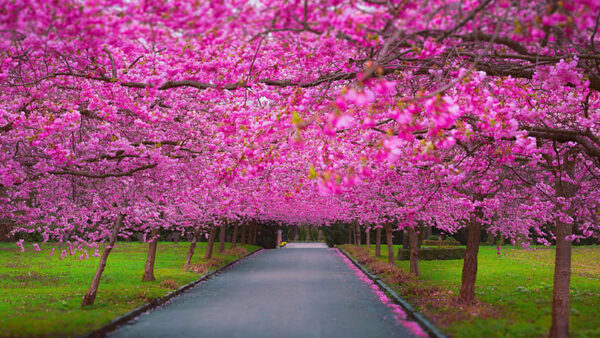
x=298, y=291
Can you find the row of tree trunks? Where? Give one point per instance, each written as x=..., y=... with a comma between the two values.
x=90, y=295
x=148, y=275
x=253, y=233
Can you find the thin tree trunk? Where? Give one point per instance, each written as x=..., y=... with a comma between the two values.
x=368, y=237
x=188, y=260
x=253, y=231
x=358, y=235
x=255, y=237
x=90, y=295
x=236, y=225
x=151, y=258
x=413, y=240
x=211, y=242
x=349, y=234
x=562, y=282
x=222, y=238
x=469, y=271
x=390, y=244
x=250, y=233
x=378, y=242
x=244, y=228
x=405, y=244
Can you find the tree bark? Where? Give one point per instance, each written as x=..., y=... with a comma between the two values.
x=405, y=244
x=254, y=233
x=469, y=271
x=90, y=295
x=413, y=240
x=188, y=260
x=562, y=282
x=349, y=234
x=222, y=238
x=390, y=244
x=151, y=258
x=358, y=234
x=244, y=230
x=211, y=242
x=236, y=225
x=368, y=237
x=378, y=242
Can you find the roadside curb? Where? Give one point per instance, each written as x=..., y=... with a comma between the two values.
x=119, y=321
x=427, y=326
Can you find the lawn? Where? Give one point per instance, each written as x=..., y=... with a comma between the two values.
x=41, y=294
x=518, y=284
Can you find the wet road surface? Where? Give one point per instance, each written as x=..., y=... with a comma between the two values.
x=297, y=291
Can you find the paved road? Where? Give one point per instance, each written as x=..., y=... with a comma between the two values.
x=290, y=292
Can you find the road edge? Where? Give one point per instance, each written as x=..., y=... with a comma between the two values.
x=425, y=324
x=124, y=319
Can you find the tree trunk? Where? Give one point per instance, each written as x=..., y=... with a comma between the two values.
x=469, y=271
x=254, y=233
x=90, y=295
x=413, y=240
x=251, y=233
x=368, y=237
x=405, y=244
x=390, y=244
x=188, y=260
x=235, y=235
x=349, y=234
x=244, y=228
x=358, y=235
x=151, y=258
x=562, y=281
x=378, y=242
x=211, y=242
x=222, y=238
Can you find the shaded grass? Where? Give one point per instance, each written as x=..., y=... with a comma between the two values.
x=517, y=284
x=41, y=294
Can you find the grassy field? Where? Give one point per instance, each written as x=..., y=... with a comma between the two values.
x=41, y=294
x=517, y=286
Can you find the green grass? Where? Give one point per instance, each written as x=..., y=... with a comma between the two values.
x=519, y=284
x=41, y=295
